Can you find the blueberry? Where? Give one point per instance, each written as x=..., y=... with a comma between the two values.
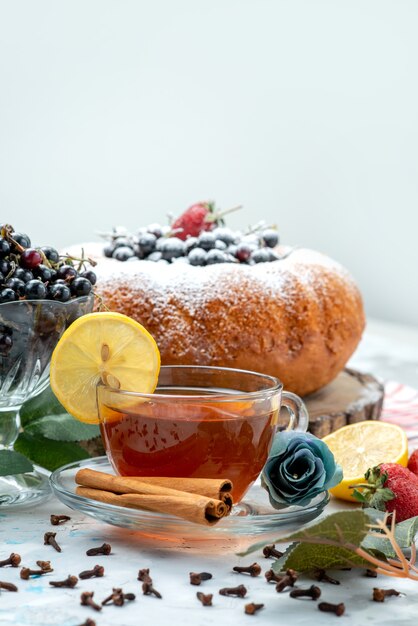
x=7, y=295
x=147, y=243
x=206, y=241
x=4, y=247
x=22, y=274
x=123, y=253
x=66, y=272
x=215, y=256
x=155, y=256
x=59, y=291
x=262, y=255
x=51, y=254
x=190, y=243
x=108, y=250
x=224, y=234
x=172, y=248
x=270, y=237
x=5, y=267
x=197, y=256
x=17, y=285
x=6, y=344
x=35, y=290
x=232, y=249
x=80, y=287
x=156, y=230
x=22, y=239
x=220, y=245
x=243, y=251
x=91, y=276
x=44, y=273
x=121, y=242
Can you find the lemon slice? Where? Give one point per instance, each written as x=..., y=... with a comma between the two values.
x=107, y=347
x=359, y=446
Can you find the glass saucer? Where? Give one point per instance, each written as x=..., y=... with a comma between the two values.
x=252, y=516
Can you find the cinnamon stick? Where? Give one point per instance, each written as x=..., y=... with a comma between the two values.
x=189, y=506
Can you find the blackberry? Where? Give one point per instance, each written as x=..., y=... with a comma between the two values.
x=270, y=237
x=80, y=287
x=206, y=241
x=35, y=290
x=51, y=254
x=123, y=253
x=59, y=291
x=197, y=256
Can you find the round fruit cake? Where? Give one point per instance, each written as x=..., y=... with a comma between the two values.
x=298, y=317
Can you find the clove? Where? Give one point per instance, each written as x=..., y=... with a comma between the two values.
x=205, y=598
x=271, y=576
x=252, y=608
x=86, y=599
x=288, y=580
x=239, y=591
x=56, y=520
x=8, y=586
x=312, y=592
x=96, y=572
x=143, y=575
x=327, y=607
x=26, y=572
x=105, y=548
x=88, y=622
x=196, y=579
x=370, y=573
x=253, y=570
x=379, y=595
x=49, y=539
x=117, y=597
x=70, y=582
x=13, y=560
x=45, y=565
x=270, y=551
x=148, y=589
x=322, y=577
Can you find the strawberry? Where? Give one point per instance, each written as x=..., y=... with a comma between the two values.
x=390, y=487
x=413, y=463
x=198, y=218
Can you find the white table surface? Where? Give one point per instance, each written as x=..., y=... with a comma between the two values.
x=386, y=350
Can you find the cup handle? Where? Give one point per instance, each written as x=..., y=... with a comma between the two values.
x=298, y=413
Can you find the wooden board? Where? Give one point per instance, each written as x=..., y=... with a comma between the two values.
x=351, y=397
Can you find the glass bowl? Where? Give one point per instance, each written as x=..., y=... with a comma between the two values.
x=29, y=332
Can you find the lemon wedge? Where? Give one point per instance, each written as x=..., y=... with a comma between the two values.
x=107, y=347
x=359, y=446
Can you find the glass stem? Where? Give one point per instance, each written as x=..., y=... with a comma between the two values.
x=9, y=427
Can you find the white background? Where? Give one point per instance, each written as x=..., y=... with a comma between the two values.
x=306, y=112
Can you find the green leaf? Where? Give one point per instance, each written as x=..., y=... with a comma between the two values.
x=48, y=453
x=12, y=462
x=406, y=531
x=44, y=403
x=305, y=557
x=63, y=427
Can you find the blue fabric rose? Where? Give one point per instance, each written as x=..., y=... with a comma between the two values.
x=299, y=467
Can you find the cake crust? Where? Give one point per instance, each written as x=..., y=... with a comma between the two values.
x=299, y=318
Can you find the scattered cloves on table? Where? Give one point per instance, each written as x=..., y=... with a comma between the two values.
x=26, y=572
x=252, y=608
x=8, y=586
x=253, y=570
x=327, y=607
x=56, y=520
x=70, y=582
x=197, y=578
x=288, y=580
x=239, y=591
x=49, y=539
x=379, y=595
x=96, y=572
x=13, y=560
x=312, y=592
x=270, y=551
x=86, y=599
x=321, y=576
x=105, y=548
x=205, y=598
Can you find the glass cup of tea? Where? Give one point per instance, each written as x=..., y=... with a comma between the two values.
x=201, y=422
